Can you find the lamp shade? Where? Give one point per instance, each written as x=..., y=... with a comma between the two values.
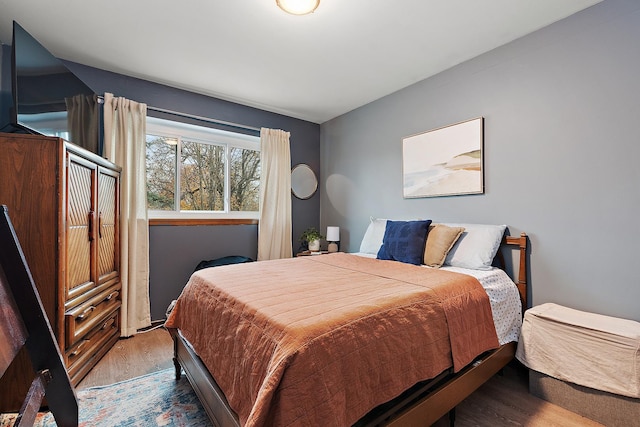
x=333, y=234
x=298, y=7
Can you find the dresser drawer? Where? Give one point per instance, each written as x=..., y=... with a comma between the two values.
x=85, y=317
x=82, y=356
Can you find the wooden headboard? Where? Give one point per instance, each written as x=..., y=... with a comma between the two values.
x=519, y=276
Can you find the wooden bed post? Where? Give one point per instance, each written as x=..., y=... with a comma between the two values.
x=521, y=242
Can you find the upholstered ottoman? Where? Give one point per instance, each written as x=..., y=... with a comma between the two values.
x=585, y=362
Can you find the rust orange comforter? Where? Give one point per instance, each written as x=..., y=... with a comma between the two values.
x=322, y=340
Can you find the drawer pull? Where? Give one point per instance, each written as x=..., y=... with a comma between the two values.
x=108, y=324
x=112, y=295
x=90, y=225
x=85, y=313
x=78, y=348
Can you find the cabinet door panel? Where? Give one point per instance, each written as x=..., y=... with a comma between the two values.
x=108, y=255
x=80, y=223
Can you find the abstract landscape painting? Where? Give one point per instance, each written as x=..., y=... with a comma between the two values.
x=444, y=162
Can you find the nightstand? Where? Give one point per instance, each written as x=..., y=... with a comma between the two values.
x=309, y=253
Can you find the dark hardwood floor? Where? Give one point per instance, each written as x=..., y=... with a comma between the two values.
x=502, y=401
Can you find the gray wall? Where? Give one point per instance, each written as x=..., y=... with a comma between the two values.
x=171, y=264
x=561, y=152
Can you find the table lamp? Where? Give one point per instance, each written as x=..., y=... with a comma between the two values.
x=333, y=238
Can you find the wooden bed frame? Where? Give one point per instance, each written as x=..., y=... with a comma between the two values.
x=421, y=405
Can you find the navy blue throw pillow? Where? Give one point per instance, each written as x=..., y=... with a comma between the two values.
x=404, y=241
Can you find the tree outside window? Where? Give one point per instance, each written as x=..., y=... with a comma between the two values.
x=244, y=180
x=161, y=172
x=213, y=175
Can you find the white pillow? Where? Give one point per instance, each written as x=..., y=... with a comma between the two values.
x=476, y=247
x=373, y=237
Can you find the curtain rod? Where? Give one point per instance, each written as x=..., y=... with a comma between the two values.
x=203, y=119
x=200, y=118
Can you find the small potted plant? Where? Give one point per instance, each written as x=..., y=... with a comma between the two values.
x=312, y=237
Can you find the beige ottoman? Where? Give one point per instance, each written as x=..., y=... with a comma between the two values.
x=585, y=362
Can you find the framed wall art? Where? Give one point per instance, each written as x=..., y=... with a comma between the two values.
x=447, y=161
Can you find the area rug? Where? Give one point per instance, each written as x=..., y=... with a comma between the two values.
x=156, y=399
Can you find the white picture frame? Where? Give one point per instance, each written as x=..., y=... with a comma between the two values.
x=446, y=161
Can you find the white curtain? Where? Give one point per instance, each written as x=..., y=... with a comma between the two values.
x=125, y=145
x=274, y=228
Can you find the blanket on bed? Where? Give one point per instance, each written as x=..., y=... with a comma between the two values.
x=322, y=340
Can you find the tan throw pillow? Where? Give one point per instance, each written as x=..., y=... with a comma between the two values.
x=440, y=240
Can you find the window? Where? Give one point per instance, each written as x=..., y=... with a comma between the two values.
x=198, y=172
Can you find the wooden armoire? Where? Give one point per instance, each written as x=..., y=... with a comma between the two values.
x=64, y=204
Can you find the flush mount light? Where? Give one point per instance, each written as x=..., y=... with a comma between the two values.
x=298, y=7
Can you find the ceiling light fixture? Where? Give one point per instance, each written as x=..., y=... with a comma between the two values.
x=298, y=7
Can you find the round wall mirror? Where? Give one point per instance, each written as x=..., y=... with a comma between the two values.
x=303, y=181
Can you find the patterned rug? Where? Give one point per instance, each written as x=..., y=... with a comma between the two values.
x=156, y=399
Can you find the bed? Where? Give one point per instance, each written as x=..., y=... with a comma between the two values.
x=344, y=339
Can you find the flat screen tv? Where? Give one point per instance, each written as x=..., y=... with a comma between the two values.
x=48, y=98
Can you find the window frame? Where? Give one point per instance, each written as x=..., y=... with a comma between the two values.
x=204, y=135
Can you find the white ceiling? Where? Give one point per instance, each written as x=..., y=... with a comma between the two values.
x=313, y=67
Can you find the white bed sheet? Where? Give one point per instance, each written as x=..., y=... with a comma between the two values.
x=503, y=296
